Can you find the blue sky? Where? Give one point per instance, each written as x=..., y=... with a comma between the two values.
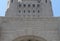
x=55, y=7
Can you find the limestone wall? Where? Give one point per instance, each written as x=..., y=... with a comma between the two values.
x=45, y=27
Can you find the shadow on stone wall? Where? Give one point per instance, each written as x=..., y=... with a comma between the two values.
x=59, y=30
x=0, y=32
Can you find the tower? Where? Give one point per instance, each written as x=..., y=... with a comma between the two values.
x=11, y=8
x=29, y=27
x=29, y=7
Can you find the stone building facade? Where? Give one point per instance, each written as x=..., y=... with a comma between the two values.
x=29, y=20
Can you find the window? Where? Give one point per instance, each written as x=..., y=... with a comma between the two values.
x=46, y=1
x=24, y=5
x=19, y=11
x=38, y=5
x=28, y=5
x=38, y=11
x=11, y=1
x=24, y=11
x=33, y=5
x=19, y=5
x=28, y=11
x=39, y=1
x=33, y=11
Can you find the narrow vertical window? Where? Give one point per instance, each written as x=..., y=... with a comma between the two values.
x=11, y=1
x=33, y=5
x=38, y=5
x=46, y=1
x=38, y=11
x=28, y=11
x=24, y=11
x=19, y=5
x=19, y=11
x=33, y=11
x=24, y=5
x=28, y=5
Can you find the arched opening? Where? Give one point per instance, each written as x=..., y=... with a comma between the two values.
x=29, y=38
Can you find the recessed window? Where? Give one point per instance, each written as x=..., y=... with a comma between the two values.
x=28, y=5
x=19, y=5
x=24, y=5
x=38, y=5
x=38, y=11
x=33, y=5
x=19, y=11
x=33, y=11
x=11, y=1
x=24, y=11
x=28, y=11
x=39, y=1
x=46, y=1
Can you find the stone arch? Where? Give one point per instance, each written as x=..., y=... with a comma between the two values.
x=29, y=38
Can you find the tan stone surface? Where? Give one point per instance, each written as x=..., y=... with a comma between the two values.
x=42, y=24
x=13, y=8
x=45, y=27
x=29, y=38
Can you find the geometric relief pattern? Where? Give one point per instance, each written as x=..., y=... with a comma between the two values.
x=29, y=38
